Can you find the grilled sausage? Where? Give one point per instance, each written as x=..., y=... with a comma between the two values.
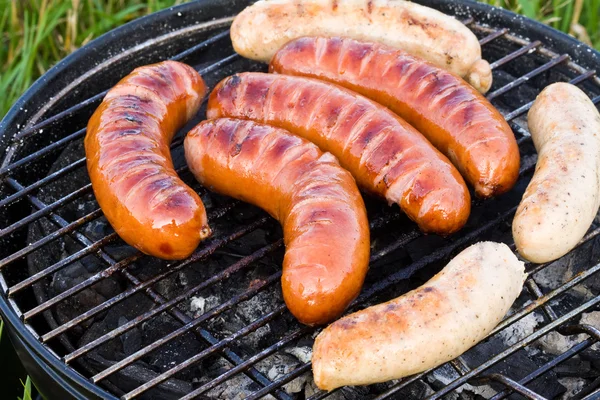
x=425, y=327
x=458, y=120
x=261, y=29
x=386, y=155
x=129, y=160
x=563, y=196
x=325, y=226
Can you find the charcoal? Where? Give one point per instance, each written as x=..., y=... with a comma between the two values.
x=593, y=356
x=132, y=339
x=574, y=367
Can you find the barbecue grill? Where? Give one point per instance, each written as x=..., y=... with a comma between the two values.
x=92, y=318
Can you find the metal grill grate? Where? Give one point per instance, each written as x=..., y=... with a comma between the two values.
x=389, y=281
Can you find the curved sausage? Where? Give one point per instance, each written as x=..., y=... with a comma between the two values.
x=129, y=160
x=386, y=155
x=261, y=29
x=325, y=226
x=562, y=199
x=458, y=120
x=425, y=327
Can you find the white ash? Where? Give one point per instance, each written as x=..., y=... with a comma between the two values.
x=280, y=370
x=573, y=386
x=199, y=305
x=279, y=365
x=520, y=329
x=557, y=344
x=304, y=353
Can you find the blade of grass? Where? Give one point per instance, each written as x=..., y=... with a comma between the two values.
x=26, y=389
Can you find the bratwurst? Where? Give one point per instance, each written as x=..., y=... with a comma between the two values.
x=563, y=196
x=261, y=29
x=385, y=154
x=129, y=160
x=425, y=327
x=325, y=226
x=457, y=119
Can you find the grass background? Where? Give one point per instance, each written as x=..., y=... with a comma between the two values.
x=38, y=33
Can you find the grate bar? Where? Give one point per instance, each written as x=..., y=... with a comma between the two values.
x=238, y=266
x=252, y=360
x=43, y=210
x=42, y=152
x=547, y=297
x=282, y=381
x=42, y=182
x=157, y=298
x=533, y=287
x=524, y=108
x=176, y=333
x=515, y=54
x=404, y=382
x=81, y=286
x=519, y=81
x=516, y=386
x=520, y=344
x=207, y=250
x=548, y=366
x=207, y=352
x=492, y=36
x=46, y=239
x=65, y=261
x=79, y=106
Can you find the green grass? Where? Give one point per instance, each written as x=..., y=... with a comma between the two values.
x=576, y=17
x=26, y=389
x=38, y=33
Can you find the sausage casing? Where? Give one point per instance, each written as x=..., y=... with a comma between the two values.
x=423, y=328
x=129, y=160
x=386, y=155
x=325, y=226
x=562, y=199
x=261, y=29
x=457, y=119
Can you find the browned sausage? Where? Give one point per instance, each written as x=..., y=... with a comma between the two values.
x=129, y=160
x=386, y=155
x=325, y=225
x=456, y=118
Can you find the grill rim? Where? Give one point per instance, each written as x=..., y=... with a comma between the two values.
x=18, y=332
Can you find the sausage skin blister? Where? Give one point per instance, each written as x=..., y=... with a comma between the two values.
x=456, y=118
x=425, y=327
x=261, y=29
x=325, y=226
x=562, y=199
x=386, y=155
x=129, y=160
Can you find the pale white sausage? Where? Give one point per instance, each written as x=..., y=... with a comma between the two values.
x=425, y=327
x=563, y=196
x=261, y=29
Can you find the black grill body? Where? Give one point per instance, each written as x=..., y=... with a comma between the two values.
x=47, y=222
